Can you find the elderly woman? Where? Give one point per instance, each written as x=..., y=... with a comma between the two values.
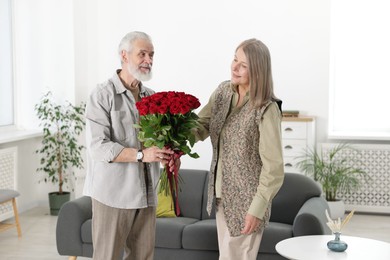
x=243, y=119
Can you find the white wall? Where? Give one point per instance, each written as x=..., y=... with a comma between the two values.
x=70, y=46
x=195, y=43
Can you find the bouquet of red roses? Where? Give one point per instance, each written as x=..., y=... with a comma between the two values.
x=166, y=120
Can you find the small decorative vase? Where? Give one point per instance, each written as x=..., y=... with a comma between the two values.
x=337, y=245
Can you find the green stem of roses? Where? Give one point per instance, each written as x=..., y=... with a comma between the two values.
x=164, y=183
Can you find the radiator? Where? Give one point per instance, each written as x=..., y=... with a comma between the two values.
x=8, y=163
x=373, y=196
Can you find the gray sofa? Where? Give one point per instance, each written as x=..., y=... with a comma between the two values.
x=297, y=210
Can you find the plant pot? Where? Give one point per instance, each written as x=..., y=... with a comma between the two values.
x=56, y=201
x=337, y=209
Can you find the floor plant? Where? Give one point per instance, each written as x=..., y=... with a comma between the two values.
x=60, y=151
x=334, y=169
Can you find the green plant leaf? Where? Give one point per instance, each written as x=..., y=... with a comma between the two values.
x=333, y=170
x=61, y=125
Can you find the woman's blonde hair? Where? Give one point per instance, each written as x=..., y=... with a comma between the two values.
x=260, y=73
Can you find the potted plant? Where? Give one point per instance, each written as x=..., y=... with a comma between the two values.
x=335, y=171
x=60, y=152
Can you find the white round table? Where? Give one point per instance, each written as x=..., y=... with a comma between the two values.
x=315, y=248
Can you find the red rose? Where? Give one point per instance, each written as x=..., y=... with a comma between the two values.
x=145, y=100
x=174, y=108
x=179, y=100
x=142, y=108
x=166, y=101
x=185, y=108
x=162, y=108
x=157, y=97
x=170, y=95
x=153, y=108
x=193, y=101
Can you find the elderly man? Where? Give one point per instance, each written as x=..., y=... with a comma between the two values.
x=122, y=176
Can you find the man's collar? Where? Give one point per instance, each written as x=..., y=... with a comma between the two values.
x=120, y=88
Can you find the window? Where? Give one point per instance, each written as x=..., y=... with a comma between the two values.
x=359, y=68
x=6, y=79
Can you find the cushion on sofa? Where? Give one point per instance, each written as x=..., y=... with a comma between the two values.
x=201, y=235
x=165, y=207
x=169, y=231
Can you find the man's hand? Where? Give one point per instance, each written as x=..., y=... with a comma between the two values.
x=251, y=223
x=155, y=154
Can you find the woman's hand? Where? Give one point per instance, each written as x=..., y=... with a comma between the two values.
x=174, y=163
x=251, y=224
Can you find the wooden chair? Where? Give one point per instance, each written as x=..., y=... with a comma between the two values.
x=7, y=196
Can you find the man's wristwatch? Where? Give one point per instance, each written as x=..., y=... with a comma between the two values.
x=140, y=155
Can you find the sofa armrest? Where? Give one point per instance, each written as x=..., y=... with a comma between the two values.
x=70, y=218
x=311, y=218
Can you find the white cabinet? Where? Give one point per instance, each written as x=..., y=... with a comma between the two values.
x=298, y=134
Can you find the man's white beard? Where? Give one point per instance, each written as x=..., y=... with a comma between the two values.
x=136, y=73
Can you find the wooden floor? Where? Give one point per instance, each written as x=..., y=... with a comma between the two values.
x=38, y=238
x=38, y=235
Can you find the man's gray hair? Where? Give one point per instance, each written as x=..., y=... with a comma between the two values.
x=126, y=43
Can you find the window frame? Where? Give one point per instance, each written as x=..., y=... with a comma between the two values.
x=8, y=126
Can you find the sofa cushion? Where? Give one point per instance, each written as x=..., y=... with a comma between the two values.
x=165, y=207
x=201, y=235
x=274, y=233
x=169, y=231
x=86, y=231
